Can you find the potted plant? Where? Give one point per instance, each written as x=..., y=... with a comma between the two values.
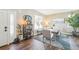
x=73, y=21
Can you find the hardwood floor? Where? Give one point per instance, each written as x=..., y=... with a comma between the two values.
x=30, y=44
x=35, y=44
x=18, y=46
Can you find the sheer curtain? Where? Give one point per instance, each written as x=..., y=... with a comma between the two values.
x=38, y=22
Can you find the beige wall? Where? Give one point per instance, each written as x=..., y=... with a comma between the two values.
x=30, y=12
x=18, y=14
x=63, y=15
x=60, y=15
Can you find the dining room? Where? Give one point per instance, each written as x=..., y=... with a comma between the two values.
x=41, y=29
x=56, y=31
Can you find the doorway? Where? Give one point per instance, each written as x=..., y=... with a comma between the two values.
x=4, y=28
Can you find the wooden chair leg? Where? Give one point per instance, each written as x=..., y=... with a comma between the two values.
x=50, y=43
x=43, y=40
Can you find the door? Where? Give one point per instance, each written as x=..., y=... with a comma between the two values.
x=4, y=33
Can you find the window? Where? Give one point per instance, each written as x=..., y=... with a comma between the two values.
x=38, y=22
x=60, y=25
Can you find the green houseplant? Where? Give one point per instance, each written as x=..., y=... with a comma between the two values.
x=73, y=21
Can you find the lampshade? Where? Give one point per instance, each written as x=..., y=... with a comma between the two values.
x=22, y=22
x=46, y=23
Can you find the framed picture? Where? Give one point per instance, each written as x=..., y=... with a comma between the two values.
x=27, y=17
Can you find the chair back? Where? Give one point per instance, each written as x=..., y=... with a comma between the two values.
x=46, y=34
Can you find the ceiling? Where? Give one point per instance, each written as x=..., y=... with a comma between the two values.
x=53, y=11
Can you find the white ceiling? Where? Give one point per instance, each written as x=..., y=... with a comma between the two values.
x=53, y=11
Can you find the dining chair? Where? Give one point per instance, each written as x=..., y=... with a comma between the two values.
x=47, y=36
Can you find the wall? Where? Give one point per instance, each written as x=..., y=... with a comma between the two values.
x=60, y=15
x=30, y=12
x=18, y=14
